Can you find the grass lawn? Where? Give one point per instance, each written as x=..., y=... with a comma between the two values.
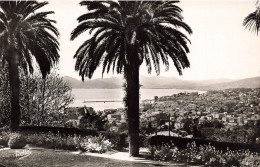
x=49, y=158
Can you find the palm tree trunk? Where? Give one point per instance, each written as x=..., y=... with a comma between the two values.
x=42, y=101
x=132, y=102
x=14, y=87
x=28, y=101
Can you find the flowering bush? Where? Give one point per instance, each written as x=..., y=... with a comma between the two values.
x=95, y=144
x=162, y=153
x=191, y=154
x=251, y=161
x=206, y=155
x=16, y=141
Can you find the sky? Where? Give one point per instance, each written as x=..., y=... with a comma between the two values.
x=220, y=46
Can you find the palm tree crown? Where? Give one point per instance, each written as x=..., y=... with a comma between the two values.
x=148, y=27
x=28, y=34
x=252, y=21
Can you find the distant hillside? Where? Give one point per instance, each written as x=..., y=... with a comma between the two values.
x=105, y=83
x=166, y=83
x=242, y=83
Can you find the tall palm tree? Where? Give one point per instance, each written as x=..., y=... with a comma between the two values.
x=25, y=34
x=252, y=21
x=123, y=35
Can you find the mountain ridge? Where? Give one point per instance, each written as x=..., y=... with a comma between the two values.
x=166, y=83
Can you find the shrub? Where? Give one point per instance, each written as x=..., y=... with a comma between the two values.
x=95, y=144
x=4, y=137
x=191, y=154
x=142, y=141
x=146, y=142
x=162, y=153
x=208, y=153
x=251, y=161
x=16, y=141
x=117, y=139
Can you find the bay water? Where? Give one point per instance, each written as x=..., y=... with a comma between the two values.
x=101, y=99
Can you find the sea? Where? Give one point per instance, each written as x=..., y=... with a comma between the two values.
x=101, y=99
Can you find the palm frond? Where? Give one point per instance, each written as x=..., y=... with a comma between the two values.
x=29, y=34
x=252, y=21
x=31, y=7
x=130, y=32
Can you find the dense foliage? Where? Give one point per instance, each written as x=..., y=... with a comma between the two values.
x=182, y=142
x=51, y=140
x=5, y=104
x=93, y=120
x=42, y=101
x=206, y=155
x=247, y=133
x=117, y=139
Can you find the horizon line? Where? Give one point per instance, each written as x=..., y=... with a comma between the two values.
x=233, y=79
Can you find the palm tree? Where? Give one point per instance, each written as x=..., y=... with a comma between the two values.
x=25, y=34
x=252, y=21
x=123, y=35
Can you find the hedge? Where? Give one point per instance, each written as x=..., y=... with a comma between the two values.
x=60, y=130
x=181, y=143
x=117, y=139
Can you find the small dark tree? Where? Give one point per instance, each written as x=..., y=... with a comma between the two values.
x=196, y=132
x=54, y=96
x=95, y=120
x=188, y=124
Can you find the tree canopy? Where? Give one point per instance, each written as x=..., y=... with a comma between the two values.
x=151, y=27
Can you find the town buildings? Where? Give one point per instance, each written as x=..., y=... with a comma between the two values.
x=232, y=107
